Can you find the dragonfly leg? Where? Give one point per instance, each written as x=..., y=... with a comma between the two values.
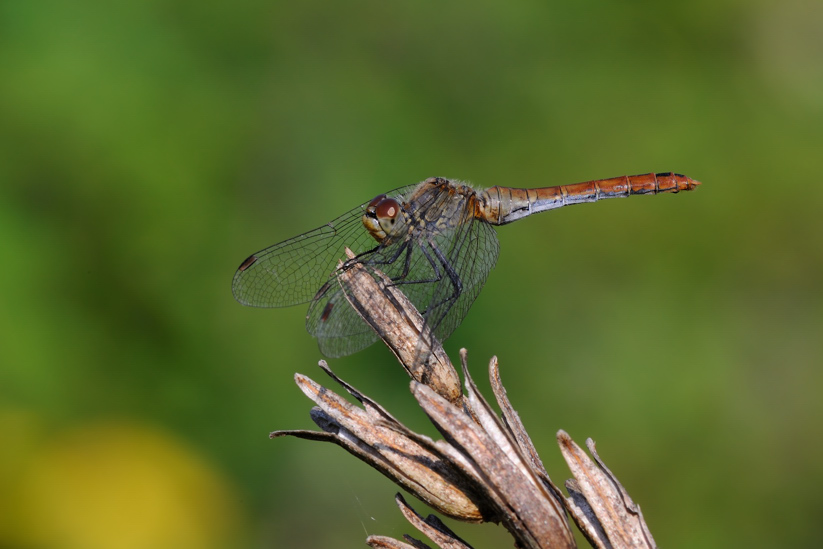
x=370, y=260
x=457, y=284
x=401, y=279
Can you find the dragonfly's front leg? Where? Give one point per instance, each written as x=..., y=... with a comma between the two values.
x=405, y=247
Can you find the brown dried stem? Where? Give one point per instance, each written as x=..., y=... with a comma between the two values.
x=486, y=467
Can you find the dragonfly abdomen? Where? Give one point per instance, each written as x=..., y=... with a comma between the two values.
x=501, y=205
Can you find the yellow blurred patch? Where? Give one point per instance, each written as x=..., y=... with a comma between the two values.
x=113, y=486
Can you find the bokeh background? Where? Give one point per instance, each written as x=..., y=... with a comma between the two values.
x=146, y=148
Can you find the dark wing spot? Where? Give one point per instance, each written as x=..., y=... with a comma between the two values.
x=326, y=311
x=249, y=261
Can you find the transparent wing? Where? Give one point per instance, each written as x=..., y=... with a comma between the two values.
x=471, y=252
x=292, y=271
x=338, y=328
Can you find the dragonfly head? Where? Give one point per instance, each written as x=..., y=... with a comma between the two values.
x=383, y=217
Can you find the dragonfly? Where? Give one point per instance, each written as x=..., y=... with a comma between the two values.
x=434, y=240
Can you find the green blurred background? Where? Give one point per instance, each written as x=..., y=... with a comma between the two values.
x=146, y=148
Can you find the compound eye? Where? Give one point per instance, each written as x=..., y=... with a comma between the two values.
x=376, y=200
x=388, y=208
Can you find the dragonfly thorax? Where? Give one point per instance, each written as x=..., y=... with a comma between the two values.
x=384, y=217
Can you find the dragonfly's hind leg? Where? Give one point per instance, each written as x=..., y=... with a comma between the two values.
x=457, y=284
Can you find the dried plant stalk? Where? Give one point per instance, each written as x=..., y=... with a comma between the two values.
x=486, y=467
